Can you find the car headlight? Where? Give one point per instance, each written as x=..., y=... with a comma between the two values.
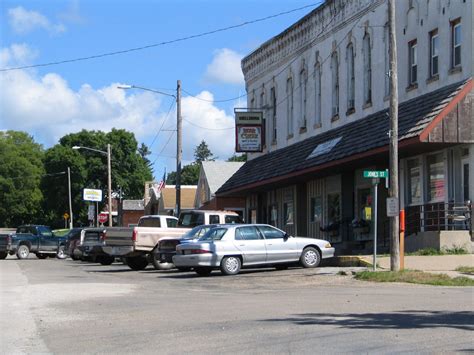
x=328, y=245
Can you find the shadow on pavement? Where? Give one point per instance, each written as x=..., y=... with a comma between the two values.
x=396, y=320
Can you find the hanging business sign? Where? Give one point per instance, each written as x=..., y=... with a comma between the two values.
x=92, y=195
x=249, y=139
x=249, y=134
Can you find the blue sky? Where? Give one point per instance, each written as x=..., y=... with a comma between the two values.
x=49, y=102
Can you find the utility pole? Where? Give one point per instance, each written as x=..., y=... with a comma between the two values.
x=179, y=148
x=109, y=183
x=71, y=221
x=393, y=151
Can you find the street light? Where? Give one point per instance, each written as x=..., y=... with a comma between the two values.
x=109, y=171
x=179, y=150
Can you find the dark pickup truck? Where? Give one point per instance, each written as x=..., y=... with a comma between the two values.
x=34, y=239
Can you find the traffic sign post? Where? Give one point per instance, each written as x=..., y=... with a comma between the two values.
x=103, y=217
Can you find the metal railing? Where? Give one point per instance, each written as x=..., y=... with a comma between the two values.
x=438, y=216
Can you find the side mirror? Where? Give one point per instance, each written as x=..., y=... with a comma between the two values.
x=286, y=236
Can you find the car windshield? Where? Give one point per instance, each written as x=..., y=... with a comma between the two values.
x=214, y=234
x=197, y=232
x=190, y=219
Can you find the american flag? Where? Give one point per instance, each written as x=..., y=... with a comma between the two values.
x=162, y=184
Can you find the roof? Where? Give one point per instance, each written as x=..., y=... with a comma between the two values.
x=133, y=205
x=218, y=172
x=188, y=192
x=351, y=139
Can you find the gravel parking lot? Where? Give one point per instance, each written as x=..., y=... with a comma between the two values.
x=63, y=306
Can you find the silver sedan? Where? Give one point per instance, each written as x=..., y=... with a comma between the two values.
x=231, y=247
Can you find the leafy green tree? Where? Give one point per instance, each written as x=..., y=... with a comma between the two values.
x=203, y=153
x=189, y=175
x=238, y=158
x=21, y=168
x=89, y=169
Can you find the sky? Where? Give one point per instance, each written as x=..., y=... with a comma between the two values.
x=51, y=101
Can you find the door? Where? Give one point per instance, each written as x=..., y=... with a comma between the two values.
x=279, y=248
x=465, y=179
x=251, y=244
x=48, y=242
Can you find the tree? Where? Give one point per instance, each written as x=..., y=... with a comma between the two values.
x=89, y=169
x=203, y=153
x=21, y=168
x=144, y=152
x=189, y=175
x=238, y=158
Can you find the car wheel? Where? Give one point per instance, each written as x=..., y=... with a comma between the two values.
x=310, y=257
x=137, y=263
x=158, y=265
x=3, y=255
x=203, y=271
x=106, y=259
x=230, y=265
x=41, y=256
x=23, y=252
x=73, y=256
x=61, y=254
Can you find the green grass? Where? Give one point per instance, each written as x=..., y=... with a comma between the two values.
x=466, y=269
x=455, y=250
x=415, y=277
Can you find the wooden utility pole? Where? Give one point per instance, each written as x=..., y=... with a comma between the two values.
x=178, y=148
x=393, y=151
x=71, y=221
x=109, y=181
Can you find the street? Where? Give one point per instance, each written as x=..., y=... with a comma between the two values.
x=64, y=306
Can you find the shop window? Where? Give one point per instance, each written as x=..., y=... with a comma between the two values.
x=288, y=212
x=362, y=223
x=436, y=177
x=413, y=182
x=334, y=209
x=316, y=209
x=273, y=215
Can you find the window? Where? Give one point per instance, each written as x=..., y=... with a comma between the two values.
x=387, y=60
x=274, y=118
x=214, y=219
x=247, y=233
x=317, y=92
x=334, y=209
x=413, y=182
x=367, y=70
x=350, y=77
x=252, y=101
x=456, y=43
x=434, y=53
x=288, y=212
x=171, y=222
x=335, y=84
x=412, y=63
x=271, y=233
x=303, y=91
x=273, y=215
x=289, y=105
x=316, y=209
x=214, y=234
x=232, y=219
x=436, y=177
x=262, y=106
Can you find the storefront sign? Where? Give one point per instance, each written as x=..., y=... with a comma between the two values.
x=92, y=195
x=249, y=118
x=248, y=139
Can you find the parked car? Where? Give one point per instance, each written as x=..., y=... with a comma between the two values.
x=231, y=247
x=193, y=218
x=73, y=238
x=36, y=239
x=162, y=254
x=90, y=246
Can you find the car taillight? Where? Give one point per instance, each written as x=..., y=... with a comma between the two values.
x=199, y=251
x=134, y=235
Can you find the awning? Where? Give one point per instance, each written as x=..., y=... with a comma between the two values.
x=419, y=120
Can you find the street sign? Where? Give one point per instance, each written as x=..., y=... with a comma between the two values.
x=375, y=174
x=66, y=215
x=392, y=207
x=103, y=217
x=92, y=195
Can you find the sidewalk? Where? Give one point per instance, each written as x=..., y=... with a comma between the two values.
x=436, y=263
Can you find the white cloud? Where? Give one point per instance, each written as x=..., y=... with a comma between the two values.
x=48, y=108
x=20, y=54
x=24, y=21
x=225, y=68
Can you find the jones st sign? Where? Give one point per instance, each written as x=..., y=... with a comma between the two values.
x=374, y=174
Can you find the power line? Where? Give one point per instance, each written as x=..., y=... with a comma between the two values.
x=165, y=119
x=225, y=100
x=135, y=49
x=208, y=128
x=166, y=144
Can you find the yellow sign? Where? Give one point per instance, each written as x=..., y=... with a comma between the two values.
x=66, y=215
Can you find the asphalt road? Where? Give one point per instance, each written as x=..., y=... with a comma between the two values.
x=63, y=306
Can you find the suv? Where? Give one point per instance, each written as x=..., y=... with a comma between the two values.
x=191, y=219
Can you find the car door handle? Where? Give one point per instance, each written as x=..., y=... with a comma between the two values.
x=241, y=245
x=269, y=244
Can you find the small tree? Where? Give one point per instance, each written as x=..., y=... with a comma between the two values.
x=203, y=153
